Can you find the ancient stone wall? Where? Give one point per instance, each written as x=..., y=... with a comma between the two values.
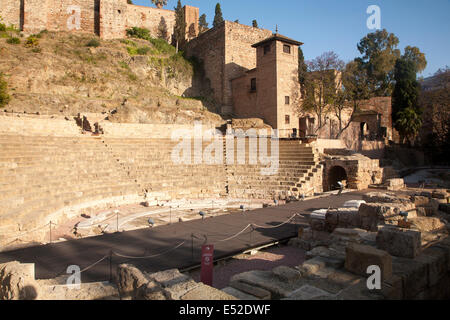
x=360, y=172
x=107, y=18
x=226, y=53
x=10, y=12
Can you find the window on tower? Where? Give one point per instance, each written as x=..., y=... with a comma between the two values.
x=287, y=49
x=253, y=85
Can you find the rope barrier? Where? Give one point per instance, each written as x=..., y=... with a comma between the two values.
x=277, y=226
x=152, y=256
x=94, y=264
x=237, y=234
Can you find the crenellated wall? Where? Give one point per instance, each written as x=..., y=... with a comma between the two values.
x=107, y=18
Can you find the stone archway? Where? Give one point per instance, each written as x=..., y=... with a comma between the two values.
x=336, y=174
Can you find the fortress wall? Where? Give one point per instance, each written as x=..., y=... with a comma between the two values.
x=113, y=19
x=227, y=53
x=239, y=54
x=35, y=15
x=209, y=47
x=107, y=18
x=62, y=15
x=10, y=12
x=150, y=18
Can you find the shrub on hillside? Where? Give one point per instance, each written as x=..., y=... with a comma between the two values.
x=140, y=33
x=2, y=27
x=4, y=97
x=13, y=40
x=162, y=46
x=32, y=41
x=93, y=43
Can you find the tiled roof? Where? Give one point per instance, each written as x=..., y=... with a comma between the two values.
x=278, y=37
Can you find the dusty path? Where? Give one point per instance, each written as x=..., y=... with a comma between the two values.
x=53, y=259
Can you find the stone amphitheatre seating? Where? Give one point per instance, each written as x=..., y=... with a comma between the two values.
x=41, y=176
x=50, y=178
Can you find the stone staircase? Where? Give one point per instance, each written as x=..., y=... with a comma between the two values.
x=299, y=172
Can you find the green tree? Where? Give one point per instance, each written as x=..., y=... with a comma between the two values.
x=379, y=55
x=414, y=55
x=354, y=89
x=255, y=24
x=129, y=1
x=202, y=23
x=4, y=97
x=163, y=32
x=321, y=85
x=218, y=18
x=405, y=99
x=180, y=26
x=408, y=124
x=302, y=69
x=159, y=3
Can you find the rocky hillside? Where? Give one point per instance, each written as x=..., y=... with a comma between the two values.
x=129, y=80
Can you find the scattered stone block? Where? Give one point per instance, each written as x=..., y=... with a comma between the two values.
x=312, y=266
x=420, y=201
x=239, y=294
x=353, y=203
x=360, y=257
x=265, y=280
x=308, y=292
x=150, y=291
x=257, y=292
x=413, y=273
x=399, y=242
x=395, y=184
x=440, y=194
x=392, y=288
x=436, y=262
x=359, y=291
x=427, y=224
x=385, y=197
x=373, y=214
x=129, y=280
x=287, y=274
x=17, y=281
x=204, y=292
x=342, y=218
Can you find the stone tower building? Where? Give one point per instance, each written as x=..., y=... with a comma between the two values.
x=271, y=91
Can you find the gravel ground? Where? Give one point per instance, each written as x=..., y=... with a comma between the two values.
x=263, y=260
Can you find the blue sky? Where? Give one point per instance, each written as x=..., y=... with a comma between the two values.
x=330, y=25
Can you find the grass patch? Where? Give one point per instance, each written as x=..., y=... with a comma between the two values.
x=162, y=47
x=31, y=41
x=140, y=33
x=4, y=96
x=141, y=51
x=13, y=40
x=93, y=43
